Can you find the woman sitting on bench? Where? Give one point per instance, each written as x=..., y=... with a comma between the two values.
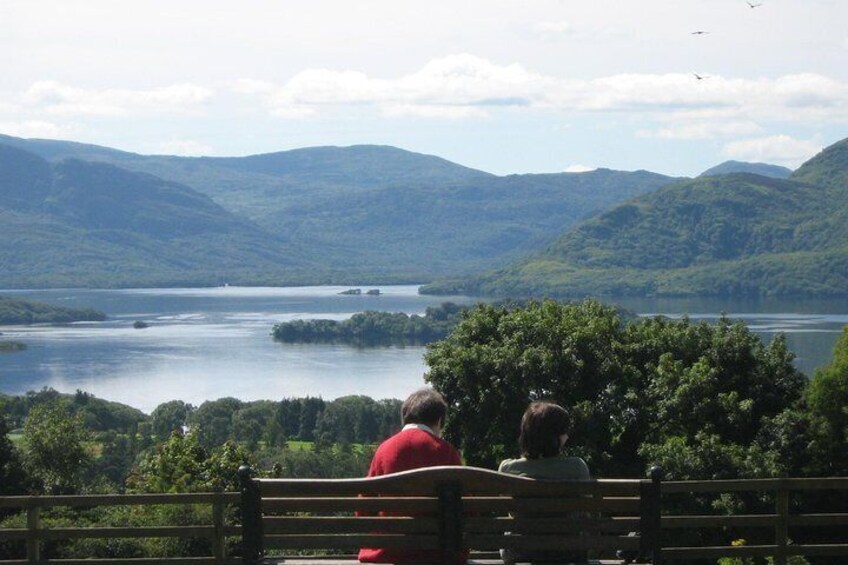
x=544, y=431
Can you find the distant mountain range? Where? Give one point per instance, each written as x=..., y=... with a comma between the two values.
x=730, y=235
x=83, y=215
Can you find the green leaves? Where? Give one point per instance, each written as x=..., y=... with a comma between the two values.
x=694, y=397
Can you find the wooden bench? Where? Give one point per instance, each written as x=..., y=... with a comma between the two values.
x=446, y=510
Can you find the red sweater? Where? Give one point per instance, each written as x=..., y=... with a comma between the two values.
x=408, y=449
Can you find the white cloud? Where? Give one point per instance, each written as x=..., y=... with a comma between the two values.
x=466, y=81
x=780, y=149
x=579, y=169
x=36, y=128
x=182, y=147
x=57, y=98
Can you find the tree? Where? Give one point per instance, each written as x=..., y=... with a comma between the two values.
x=13, y=478
x=170, y=416
x=182, y=464
x=55, y=448
x=827, y=400
x=692, y=397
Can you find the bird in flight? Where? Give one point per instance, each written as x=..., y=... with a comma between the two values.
x=700, y=77
x=752, y=5
x=700, y=32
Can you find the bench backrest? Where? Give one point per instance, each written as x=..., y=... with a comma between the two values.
x=448, y=509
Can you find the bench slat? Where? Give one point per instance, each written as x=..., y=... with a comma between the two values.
x=426, y=481
x=353, y=542
x=410, y=505
x=350, y=525
x=523, y=525
x=505, y=504
x=562, y=543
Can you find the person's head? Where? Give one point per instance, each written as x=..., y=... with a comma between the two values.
x=544, y=430
x=424, y=406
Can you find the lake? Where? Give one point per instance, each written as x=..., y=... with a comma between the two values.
x=209, y=343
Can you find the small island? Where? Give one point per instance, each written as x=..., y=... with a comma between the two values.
x=373, y=292
x=12, y=346
x=352, y=292
x=15, y=312
x=372, y=328
x=140, y=324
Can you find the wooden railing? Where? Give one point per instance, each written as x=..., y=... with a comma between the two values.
x=786, y=522
x=781, y=530
x=36, y=534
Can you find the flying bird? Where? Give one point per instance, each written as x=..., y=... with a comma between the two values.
x=752, y=5
x=700, y=32
x=700, y=77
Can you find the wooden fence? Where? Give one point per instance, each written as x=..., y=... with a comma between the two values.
x=788, y=519
x=35, y=534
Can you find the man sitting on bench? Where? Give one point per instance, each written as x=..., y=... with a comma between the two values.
x=418, y=444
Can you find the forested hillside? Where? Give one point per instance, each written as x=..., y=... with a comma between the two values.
x=78, y=223
x=762, y=169
x=737, y=234
x=359, y=214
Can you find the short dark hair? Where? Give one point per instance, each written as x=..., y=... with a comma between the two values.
x=541, y=427
x=424, y=406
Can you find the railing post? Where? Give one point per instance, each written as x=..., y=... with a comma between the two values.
x=651, y=516
x=251, y=517
x=781, y=527
x=218, y=542
x=33, y=544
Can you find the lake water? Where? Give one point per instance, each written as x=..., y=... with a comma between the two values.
x=210, y=343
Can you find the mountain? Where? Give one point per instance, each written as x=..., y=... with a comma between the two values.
x=762, y=169
x=737, y=234
x=82, y=223
x=354, y=214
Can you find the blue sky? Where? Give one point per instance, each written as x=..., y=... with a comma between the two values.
x=507, y=86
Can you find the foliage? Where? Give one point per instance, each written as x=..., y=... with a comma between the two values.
x=182, y=464
x=54, y=448
x=13, y=478
x=827, y=398
x=691, y=397
x=372, y=328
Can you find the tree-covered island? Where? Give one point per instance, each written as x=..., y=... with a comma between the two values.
x=371, y=328
x=14, y=311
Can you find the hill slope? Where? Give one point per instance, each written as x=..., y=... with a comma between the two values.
x=374, y=213
x=738, y=234
x=762, y=169
x=79, y=223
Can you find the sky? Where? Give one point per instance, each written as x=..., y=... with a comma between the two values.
x=506, y=86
